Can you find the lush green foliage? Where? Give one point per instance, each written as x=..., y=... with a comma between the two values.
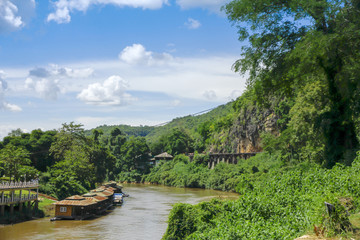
x=14, y=161
x=279, y=204
x=180, y=172
x=177, y=141
x=313, y=45
x=37, y=143
x=69, y=162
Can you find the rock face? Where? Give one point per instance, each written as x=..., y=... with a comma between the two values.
x=244, y=135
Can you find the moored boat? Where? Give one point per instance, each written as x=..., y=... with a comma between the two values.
x=91, y=204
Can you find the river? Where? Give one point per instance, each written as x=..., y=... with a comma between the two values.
x=142, y=216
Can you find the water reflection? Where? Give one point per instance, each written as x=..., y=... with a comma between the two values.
x=142, y=216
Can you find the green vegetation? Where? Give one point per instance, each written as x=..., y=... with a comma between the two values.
x=45, y=205
x=68, y=162
x=188, y=124
x=282, y=203
x=177, y=141
x=302, y=58
x=305, y=54
x=180, y=172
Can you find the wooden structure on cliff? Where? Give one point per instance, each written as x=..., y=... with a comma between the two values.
x=229, y=158
x=18, y=193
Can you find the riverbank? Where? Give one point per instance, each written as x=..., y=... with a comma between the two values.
x=287, y=201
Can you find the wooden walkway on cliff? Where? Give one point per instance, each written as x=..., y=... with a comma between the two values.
x=229, y=158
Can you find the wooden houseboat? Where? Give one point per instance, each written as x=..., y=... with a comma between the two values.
x=75, y=207
x=95, y=202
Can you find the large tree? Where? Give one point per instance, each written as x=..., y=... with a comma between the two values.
x=294, y=42
x=81, y=156
x=15, y=161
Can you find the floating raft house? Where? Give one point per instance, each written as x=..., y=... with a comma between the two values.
x=88, y=205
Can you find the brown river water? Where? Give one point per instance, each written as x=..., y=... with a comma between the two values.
x=142, y=216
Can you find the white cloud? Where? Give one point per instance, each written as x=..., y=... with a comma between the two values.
x=3, y=103
x=14, y=14
x=46, y=82
x=183, y=77
x=63, y=8
x=111, y=92
x=210, y=95
x=192, y=23
x=46, y=88
x=137, y=54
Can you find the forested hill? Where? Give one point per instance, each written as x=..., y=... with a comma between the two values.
x=152, y=133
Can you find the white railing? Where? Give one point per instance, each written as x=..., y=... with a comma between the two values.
x=8, y=185
x=17, y=198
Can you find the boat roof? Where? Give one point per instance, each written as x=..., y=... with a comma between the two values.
x=65, y=202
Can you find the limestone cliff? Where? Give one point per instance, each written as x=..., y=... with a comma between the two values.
x=244, y=135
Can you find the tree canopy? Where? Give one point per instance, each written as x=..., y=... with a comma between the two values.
x=294, y=44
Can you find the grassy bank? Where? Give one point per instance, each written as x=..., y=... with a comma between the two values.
x=47, y=207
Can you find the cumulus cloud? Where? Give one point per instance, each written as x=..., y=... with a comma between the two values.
x=137, y=54
x=192, y=23
x=46, y=81
x=112, y=92
x=210, y=95
x=47, y=88
x=63, y=8
x=3, y=103
x=14, y=14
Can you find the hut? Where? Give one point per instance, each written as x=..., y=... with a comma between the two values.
x=163, y=156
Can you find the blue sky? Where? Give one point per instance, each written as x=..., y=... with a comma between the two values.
x=138, y=62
